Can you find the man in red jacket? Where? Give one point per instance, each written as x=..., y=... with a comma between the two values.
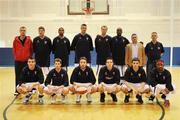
x=22, y=50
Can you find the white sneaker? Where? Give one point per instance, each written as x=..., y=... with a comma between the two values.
x=89, y=98
x=40, y=99
x=34, y=91
x=27, y=98
x=53, y=99
x=78, y=98
x=16, y=94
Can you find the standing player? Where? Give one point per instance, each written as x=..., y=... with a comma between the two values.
x=109, y=79
x=42, y=49
x=31, y=78
x=135, y=79
x=135, y=50
x=160, y=81
x=61, y=48
x=154, y=50
x=82, y=45
x=83, y=81
x=103, y=48
x=22, y=50
x=118, y=45
x=57, y=82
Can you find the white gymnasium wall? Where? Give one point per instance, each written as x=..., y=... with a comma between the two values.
x=134, y=16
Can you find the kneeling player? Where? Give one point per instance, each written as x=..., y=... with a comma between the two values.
x=57, y=82
x=160, y=80
x=31, y=78
x=135, y=80
x=109, y=79
x=83, y=80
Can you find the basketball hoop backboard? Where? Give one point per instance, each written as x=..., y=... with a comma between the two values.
x=81, y=7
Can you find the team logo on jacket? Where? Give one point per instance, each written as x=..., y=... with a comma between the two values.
x=105, y=73
x=123, y=40
x=45, y=42
x=62, y=75
x=35, y=72
x=65, y=42
x=79, y=73
x=164, y=77
x=57, y=41
x=113, y=73
x=131, y=74
x=54, y=75
x=159, y=48
x=86, y=73
x=139, y=74
x=106, y=39
x=156, y=76
x=87, y=38
x=37, y=41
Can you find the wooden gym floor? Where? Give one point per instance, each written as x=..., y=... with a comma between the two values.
x=95, y=111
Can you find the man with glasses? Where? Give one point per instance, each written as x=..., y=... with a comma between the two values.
x=22, y=50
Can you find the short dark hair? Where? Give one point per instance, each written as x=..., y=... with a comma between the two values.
x=160, y=62
x=141, y=42
x=57, y=60
x=83, y=25
x=154, y=32
x=61, y=28
x=109, y=58
x=135, y=59
x=41, y=28
x=133, y=34
x=83, y=58
x=32, y=58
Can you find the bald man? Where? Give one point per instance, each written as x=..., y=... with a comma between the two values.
x=118, y=45
x=61, y=48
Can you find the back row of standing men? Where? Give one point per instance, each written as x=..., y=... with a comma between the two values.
x=118, y=47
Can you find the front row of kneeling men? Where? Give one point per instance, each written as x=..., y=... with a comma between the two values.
x=83, y=81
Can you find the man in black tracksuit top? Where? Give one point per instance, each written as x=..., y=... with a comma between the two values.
x=82, y=45
x=28, y=76
x=160, y=81
x=57, y=82
x=57, y=78
x=80, y=76
x=103, y=48
x=31, y=78
x=154, y=50
x=83, y=76
x=118, y=45
x=42, y=48
x=135, y=79
x=61, y=48
x=109, y=79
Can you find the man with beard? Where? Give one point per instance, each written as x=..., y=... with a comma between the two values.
x=118, y=45
x=161, y=83
x=61, y=48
